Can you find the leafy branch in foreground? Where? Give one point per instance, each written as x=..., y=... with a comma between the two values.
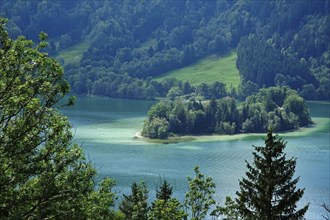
x=42, y=173
x=199, y=198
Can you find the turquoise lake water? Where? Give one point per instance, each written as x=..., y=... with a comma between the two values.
x=106, y=128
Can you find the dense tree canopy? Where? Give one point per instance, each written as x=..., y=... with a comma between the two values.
x=275, y=108
x=43, y=174
x=192, y=117
x=271, y=67
x=129, y=41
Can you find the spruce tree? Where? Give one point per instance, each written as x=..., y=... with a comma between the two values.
x=135, y=205
x=269, y=190
x=165, y=207
x=165, y=191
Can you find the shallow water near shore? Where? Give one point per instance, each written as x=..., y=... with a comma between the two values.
x=106, y=128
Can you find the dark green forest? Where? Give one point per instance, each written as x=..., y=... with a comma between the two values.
x=129, y=42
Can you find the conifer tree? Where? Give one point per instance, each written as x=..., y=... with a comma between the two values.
x=269, y=190
x=164, y=192
x=165, y=207
x=135, y=205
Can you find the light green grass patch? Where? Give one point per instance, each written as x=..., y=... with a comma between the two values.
x=73, y=54
x=148, y=43
x=208, y=70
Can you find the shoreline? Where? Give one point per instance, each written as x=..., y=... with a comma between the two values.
x=319, y=124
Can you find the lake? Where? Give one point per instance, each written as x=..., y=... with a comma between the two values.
x=106, y=128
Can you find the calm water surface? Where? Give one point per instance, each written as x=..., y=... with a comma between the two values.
x=105, y=128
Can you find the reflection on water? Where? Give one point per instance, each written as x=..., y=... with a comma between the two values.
x=106, y=127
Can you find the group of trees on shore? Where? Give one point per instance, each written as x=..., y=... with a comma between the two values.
x=274, y=108
x=288, y=45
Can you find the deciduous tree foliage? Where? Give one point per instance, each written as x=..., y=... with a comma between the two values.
x=42, y=173
x=229, y=211
x=275, y=108
x=171, y=209
x=269, y=190
x=199, y=199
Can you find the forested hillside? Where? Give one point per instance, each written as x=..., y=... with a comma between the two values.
x=129, y=42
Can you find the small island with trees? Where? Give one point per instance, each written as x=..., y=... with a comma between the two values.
x=275, y=108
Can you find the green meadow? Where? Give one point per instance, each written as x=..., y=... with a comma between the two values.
x=210, y=69
x=207, y=70
x=73, y=54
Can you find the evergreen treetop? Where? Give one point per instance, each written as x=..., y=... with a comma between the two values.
x=269, y=189
x=164, y=192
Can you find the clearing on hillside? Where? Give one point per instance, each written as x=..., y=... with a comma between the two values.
x=210, y=69
x=73, y=54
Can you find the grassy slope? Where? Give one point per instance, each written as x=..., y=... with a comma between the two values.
x=73, y=54
x=208, y=70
